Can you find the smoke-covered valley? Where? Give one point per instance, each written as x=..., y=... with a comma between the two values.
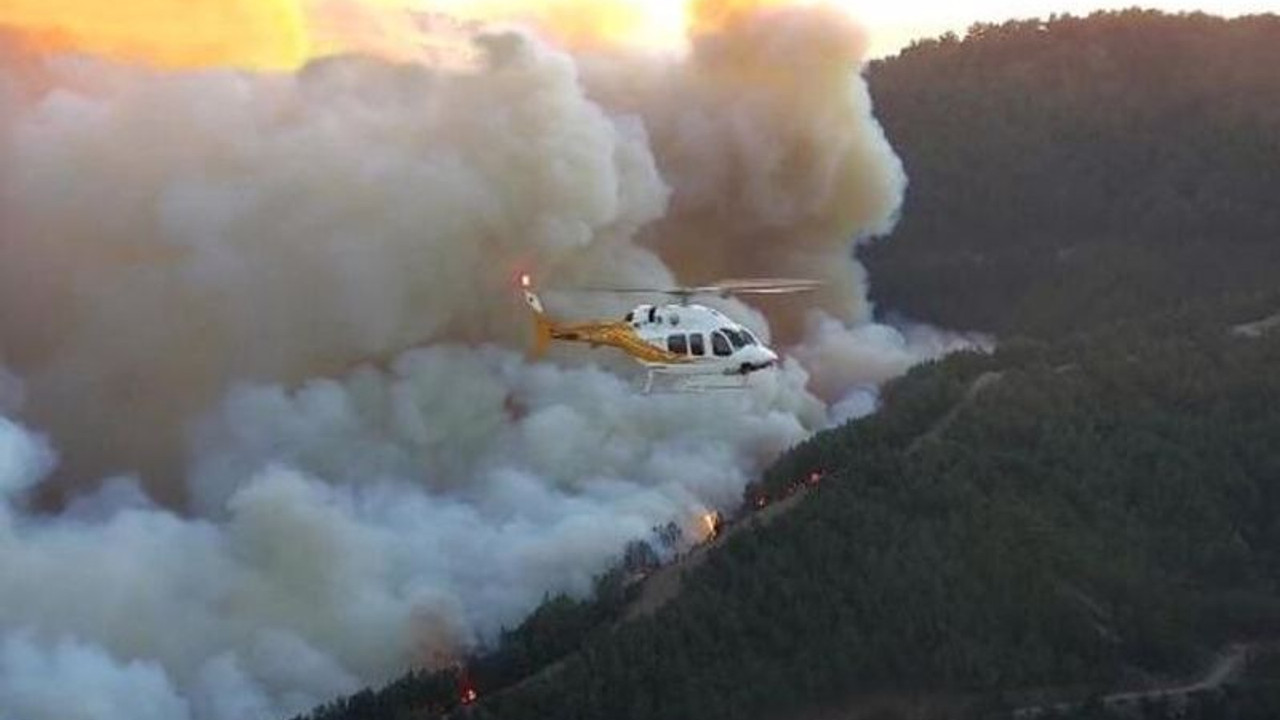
x=269, y=429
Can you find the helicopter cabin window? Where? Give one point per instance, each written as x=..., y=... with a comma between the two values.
x=678, y=344
x=720, y=344
x=697, y=345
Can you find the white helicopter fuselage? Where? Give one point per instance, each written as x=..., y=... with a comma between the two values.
x=700, y=340
x=697, y=345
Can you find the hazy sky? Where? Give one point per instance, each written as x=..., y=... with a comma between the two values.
x=895, y=22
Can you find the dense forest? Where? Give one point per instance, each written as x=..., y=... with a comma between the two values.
x=1067, y=172
x=1094, y=505
x=1093, y=508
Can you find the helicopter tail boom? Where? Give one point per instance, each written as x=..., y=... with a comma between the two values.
x=542, y=329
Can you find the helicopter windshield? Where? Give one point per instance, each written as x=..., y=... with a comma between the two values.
x=740, y=337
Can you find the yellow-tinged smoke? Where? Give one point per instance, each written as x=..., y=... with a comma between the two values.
x=284, y=34
x=707, y=16
x=188, y=258
x=591, y=23
x=258, y=34
x=580, y=23
x=649, y=23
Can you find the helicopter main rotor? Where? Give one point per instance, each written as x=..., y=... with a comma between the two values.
x=723, y=289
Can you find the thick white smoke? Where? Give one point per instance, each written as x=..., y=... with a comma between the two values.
x=849, y=364
x=244, y=518
x=352, y=529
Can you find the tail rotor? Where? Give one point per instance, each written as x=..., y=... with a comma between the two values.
x=541, y=325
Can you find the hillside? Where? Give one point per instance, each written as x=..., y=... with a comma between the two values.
x=1093, y=508
x=1070, y=172
x=1107, y=509
x=1104, y=513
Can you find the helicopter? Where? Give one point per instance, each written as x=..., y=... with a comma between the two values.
x=697, y=347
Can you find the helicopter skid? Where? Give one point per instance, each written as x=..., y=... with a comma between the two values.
x=658, y=382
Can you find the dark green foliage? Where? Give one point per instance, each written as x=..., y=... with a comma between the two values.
x=558, y=627
x=416, y=694
x=1075, y=171
x=1099, y=497
x=1108, y=502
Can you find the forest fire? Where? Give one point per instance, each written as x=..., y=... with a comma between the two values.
x=467, y=694
x=167, y=174
x=759, y=498
x=714, y=524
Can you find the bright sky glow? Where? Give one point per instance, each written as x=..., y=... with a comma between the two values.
x=892, y=23
x=285, y=33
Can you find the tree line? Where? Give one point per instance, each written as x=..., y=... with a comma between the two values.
x=1078, y=170
x=1098, y=498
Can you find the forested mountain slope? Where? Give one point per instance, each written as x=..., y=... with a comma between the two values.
x=1097, y=502
x=1077, y=513
x=1070, y=172
x=1106, y=507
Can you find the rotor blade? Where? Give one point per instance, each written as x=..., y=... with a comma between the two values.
x=746, y=286
x=768, y=286
x=769, y=291
x=644, y=291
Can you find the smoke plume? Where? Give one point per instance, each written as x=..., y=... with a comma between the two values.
x=267, y=321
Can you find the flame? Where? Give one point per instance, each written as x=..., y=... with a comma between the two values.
x=258, y=34
x=712, y=522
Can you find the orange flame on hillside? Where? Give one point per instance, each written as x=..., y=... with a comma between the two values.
x=713, y=523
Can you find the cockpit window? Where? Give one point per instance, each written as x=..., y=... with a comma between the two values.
x=751, y=339
x=697, y=345
x=736, y=337
x=720, y=344
x=678, y=344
